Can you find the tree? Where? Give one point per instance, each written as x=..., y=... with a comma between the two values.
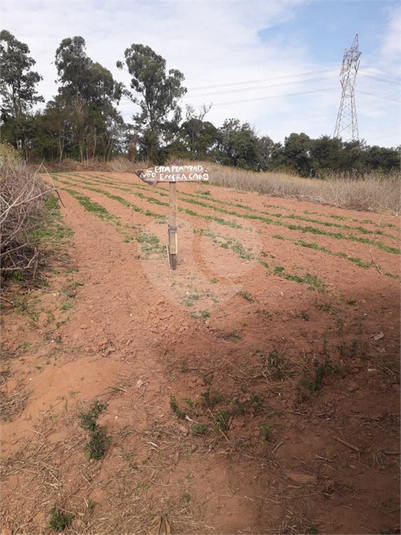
x=238, y=145
x=17, y=87
x=199, y=138
x=297, y=152
x=158, y=95
x=326, y=155
x=89, y=93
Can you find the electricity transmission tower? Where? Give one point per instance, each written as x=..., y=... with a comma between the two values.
x=347, y=123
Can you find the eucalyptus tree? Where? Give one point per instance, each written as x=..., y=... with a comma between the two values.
x=157, y=93
x=18, y=88
x=90, y=93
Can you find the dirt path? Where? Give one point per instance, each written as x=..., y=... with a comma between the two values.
x=255, y=390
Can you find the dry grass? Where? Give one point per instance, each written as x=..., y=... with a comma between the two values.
x=375, y=192
x=117, y=165
x=21, y=212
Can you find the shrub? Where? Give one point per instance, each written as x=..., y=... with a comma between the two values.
x=21, y=213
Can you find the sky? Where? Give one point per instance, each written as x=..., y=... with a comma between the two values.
x=274, y=64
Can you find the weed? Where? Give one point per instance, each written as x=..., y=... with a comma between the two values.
x=59, y=520
x=312, y=383
x=246, y=295
x=67, y=305
x=151, y=244
x=267, y=432
x=90, y=504
x=304, y=315
x=211, y=397
x=199, y=429
x=176, y=410
x=98, y=443
x=98, y=440
x=89, y=419
x=222, y=419
x=186, y=497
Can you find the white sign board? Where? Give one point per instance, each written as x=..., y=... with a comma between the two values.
x=173, y=173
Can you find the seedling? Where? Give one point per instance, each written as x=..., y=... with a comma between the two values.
x=176, y=410
x=59, y=520
x=246, y=295
x=267, y=432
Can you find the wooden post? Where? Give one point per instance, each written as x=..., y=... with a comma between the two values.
x=172, y=226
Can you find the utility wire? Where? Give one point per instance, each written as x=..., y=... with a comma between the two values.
x=387, y=81
x=283, y=95
x=243, y=89
x=246, y=82
x=378, y=96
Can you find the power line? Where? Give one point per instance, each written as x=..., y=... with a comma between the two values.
x=283, y=95
x=246, y=82
x=379, y=96
x=244, y=89
x=387, y=81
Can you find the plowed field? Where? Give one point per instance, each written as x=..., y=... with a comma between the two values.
x=253, y=390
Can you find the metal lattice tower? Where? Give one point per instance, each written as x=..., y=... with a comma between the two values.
x=347, y=123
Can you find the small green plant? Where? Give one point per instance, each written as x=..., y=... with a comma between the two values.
x=211, y=397
x=199, y=429
x=98, y=439
x=90, y=504
x=246, y=295
x=267, y=432
x=59, y=520
x=89, y=419
x=176, y=410
x=304, y=315
x=222, y=419
x=186, y=497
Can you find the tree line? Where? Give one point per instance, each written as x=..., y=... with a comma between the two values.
x=83, y=122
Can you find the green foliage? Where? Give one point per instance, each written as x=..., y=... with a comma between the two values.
x=98, y=440
x=17, y=88
x=199, y=429
x=98, y=443
x=267, y=432
x=88, y=420
x=59, y=520
x=238, y=145
x=158, y=97
x=211, y=397
x=222, y=419
x=176, y=410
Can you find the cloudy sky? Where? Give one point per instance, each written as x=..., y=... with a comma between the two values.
x=274, y=64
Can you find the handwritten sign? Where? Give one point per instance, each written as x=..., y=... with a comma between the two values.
x=173, y=173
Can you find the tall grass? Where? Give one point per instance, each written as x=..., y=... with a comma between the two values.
x=374, y=192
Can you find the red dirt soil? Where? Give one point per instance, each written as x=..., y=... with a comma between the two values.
x=253, y=390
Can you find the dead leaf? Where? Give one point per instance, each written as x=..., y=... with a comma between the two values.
x=160, y=525
x=379, y=335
